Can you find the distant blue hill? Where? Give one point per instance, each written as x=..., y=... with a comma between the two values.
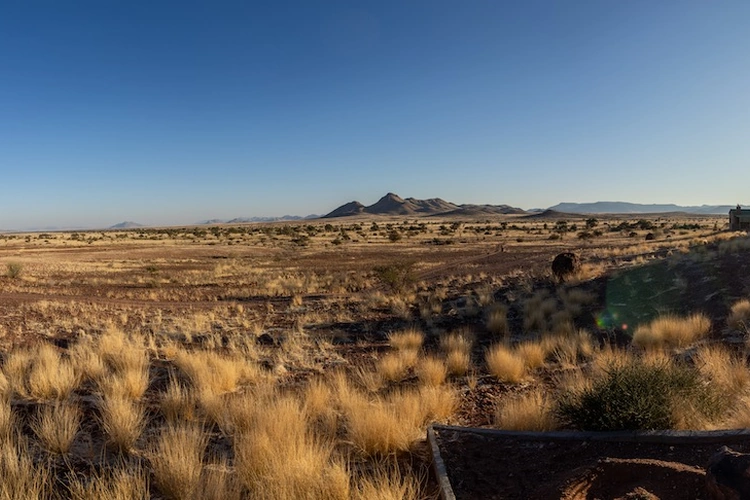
x=240, y=220
x=622, y=207
x=126, y=225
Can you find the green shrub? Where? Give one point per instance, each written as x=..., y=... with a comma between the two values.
x=396, y=276
x=14, y=269
x=637, y=396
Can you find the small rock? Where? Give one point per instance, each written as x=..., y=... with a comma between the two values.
x=61, y=342
x=265, y=339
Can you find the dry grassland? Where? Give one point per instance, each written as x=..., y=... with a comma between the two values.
x=288, y=361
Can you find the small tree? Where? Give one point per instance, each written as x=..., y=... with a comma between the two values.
x=396, y=276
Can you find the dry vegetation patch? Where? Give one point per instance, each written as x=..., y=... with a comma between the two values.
x=288, y=361
x=671, y=330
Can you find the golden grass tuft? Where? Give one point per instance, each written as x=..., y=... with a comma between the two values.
x=16, y=370
x=532, y=411
x=574, y=299
x=219, y=481
x=177, y=460
x=279, y=458
x=394, y=366
x=727, y=372
x=129, y=483
x=739, y=416
x=672, y=331
x=533, y=354
x=122, y=353
x=459, y=340
x=40, y=374
x=22, y=477
x=7, y=421
x=437, y=403
x=571, y=348
x=458, y=363
x=50, y=376
x=131, y=384
x=610, y=356
x=122, y=420
x=497, y=320
x=56, y=426
x=370, y=380
x=505, y=364
x=391, y=424
x=432, y=371
x=537, y=311
x=177, y=402
x=407, y=340
x=485, y=296
x=317, y=398
x=457, y=347
x=739, y=315
x=386, y=483
x=209, y=371
x=318, y=406
x=87, y=362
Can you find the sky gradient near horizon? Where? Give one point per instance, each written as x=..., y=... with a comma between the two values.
x=173, y=112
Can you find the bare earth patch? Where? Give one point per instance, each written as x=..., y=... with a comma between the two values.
x=482, y=466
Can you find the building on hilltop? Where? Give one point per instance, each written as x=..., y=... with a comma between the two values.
x=739, y=219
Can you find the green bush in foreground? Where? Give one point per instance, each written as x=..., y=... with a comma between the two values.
x=637, y=396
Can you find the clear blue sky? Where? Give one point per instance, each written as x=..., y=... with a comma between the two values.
x=172, y=112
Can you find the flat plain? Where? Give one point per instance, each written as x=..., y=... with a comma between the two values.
x=305, y=360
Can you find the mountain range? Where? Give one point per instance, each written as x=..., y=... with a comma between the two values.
x=621, y=207
x=240, y=220
x=126, y=225
x=392, y=204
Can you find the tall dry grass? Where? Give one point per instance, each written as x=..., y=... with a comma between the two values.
x=457, y=347
x=50, y=376
x=16, y=370
x=56, y=426
x=407, y=340
x=726, y=371
x=386, y=483
x=279, y=458
x=532, y=411
x=394, y=366
x=209, y=371
x=569, y=349
x=177, y=402
x=122, y=420
x=121, y=483
x=219, y=481
x=39, y=373
x=505, y=364
x=739, y=315
x=432, y=371
x=672, y=331
x=22, y=477
x=533, y=353
x=177, y=460
x=382, y=425
x=497, y=320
